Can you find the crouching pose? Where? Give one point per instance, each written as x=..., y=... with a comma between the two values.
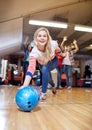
x=45, y=53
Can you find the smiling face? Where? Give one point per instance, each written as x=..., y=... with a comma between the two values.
x=42, y=38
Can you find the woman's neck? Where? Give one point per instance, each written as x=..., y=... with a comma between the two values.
x=41, y=48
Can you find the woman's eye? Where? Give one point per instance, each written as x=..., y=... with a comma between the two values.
x=42, y=36
x=39, y=35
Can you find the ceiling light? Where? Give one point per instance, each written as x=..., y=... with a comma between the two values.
x=83, y=28
x=48, y=24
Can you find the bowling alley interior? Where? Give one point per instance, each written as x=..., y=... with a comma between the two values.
x=66, y=108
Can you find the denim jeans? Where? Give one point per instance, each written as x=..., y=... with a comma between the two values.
x=68, y=72
x=59, y=73
x=45, y=69
x=51, y=82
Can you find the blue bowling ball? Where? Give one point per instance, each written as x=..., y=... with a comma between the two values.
x=27, y=98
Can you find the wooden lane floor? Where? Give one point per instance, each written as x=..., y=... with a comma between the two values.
x=67, y=110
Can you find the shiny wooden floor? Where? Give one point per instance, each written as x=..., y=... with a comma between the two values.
x=67, y=110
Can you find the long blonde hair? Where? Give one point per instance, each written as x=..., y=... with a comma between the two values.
x=48, y=49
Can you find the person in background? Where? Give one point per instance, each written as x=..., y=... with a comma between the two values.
x=76, y=76
x=60, y=70
x=68, y=61
x=87, y=73
x=44, y=52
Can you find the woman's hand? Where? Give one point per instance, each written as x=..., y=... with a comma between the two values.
x=65, y=38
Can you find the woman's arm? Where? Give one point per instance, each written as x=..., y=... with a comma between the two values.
x=62, y=43
x=76, y=46
x=26, y=40
x=30, y=71
x=24, y=45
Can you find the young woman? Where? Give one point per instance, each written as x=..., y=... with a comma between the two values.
x=44, y=53
x=68, y=61
x=60, y=70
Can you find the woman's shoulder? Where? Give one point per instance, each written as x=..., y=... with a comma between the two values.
x=34, y=52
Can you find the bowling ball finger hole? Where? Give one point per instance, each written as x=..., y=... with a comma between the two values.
x=29, y=104
x=38, y=98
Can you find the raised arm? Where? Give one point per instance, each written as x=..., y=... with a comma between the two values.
x=26, y=40
x=76, y=46
x=62, y=43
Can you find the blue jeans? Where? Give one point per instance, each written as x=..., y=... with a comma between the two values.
x=45, y=69
x=51, y=82
x=59, y=73
x=68, y=72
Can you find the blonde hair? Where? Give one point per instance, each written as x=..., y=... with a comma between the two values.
x=48, y=50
